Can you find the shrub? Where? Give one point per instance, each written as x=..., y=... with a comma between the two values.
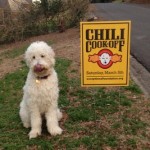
x=76, y=11
x=42, y=18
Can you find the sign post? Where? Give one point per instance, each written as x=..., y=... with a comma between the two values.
x=105, y=53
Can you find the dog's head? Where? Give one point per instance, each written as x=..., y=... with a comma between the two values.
x=40, y=57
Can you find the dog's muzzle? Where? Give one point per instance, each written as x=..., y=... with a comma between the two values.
x=39, y=68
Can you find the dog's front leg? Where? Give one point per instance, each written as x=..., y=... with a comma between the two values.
x=36, y=122
x=52, y=122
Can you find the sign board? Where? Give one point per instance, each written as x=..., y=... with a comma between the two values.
x=105, y=53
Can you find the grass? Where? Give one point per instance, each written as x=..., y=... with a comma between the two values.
x=13, y=135
x=133, y=88
x=16, y=52
x=13, y=53
x=131, y=143
x=94, y=118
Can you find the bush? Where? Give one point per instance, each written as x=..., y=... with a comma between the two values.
x=42, y=18
x=75, y=11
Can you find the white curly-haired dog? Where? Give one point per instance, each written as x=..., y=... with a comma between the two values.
x=41, y=91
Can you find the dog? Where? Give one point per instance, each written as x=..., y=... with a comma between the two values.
x=40, y=92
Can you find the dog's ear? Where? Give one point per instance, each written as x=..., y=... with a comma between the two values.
x=26, y=59
x=52, y=55
x=27, y=55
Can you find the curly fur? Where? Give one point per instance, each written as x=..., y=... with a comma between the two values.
x=40, y=95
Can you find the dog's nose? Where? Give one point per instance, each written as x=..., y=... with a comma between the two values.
x=38, y=68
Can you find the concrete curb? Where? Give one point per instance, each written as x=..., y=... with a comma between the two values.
x=141, y=76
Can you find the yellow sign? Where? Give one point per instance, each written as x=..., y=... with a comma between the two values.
x=105, y=53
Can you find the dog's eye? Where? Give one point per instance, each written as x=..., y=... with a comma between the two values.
x=42, y=56
x=33, y=57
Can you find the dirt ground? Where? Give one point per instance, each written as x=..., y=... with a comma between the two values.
x=140, y=1
x=65, y=44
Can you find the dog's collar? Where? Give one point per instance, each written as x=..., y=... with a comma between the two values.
x=41, y=78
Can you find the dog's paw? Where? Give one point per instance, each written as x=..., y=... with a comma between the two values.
x=34, y=133
x=55, y=131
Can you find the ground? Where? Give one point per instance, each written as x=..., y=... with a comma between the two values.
x=94, y=118
x=65, y=45
x=104, y=118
